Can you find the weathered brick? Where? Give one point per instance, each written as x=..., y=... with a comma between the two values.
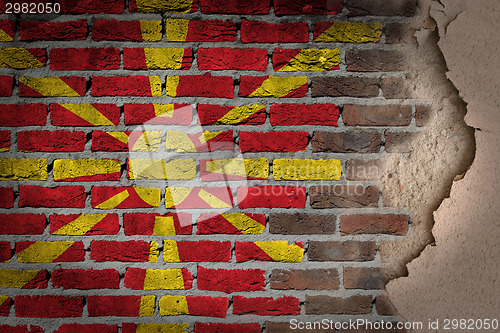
x=68, y=114
x=48, y=306
x=22, y=224
x=86, y=169
x=156, y=224
x=374, y=60
x=228, y=58
x=87, y=328
x=158, y=114
x=273, y=86
x=150, y=169
x=341, y=251
x=384, y=306
x=300, y=223
x=198, y=197
x=345, y=86
x=145, y=86
x=34, y=30
x=21, y=58
x=21, y=328
x=306, y=60
x=316, y=279
x=8, y=28
x=14, y=115
x=23, y=169
x=224, y=327
x=266, y=306
x=197, y=251
x=344, y=196
x=24, y=279
x=254, y=114
x=149, y=58
x=84, y=224
x=377, y=115
x=49, y=251
x=232, y=223
x=302, y=114
x=230, y=280
x=422, y=115
x=400, y=33
x=194, y=306
x=235, y=7
x=381, y=7
x=282, y=141
x=182, y=30
x=47, y=141
x=152, y=327
x=396, y=88
x=5, y=251
x=400, y=142
x=363, y=278
x=271, y=197
x=6, y=85
x=64, y=86
x=121, y=306
x=129, y=251
x=86, y=279
x=347, y=32
x=137, y=141
x=4, y=141
x=363, y=169
x=88, y=59
x=182, y=142
x=306, y=169
x=92, y=7
x=269, y=251
x=322, y=7
x=263, y=32
x=346, y=142
x=234, y=169
x=161, y=7
x=354, y=305
x=5, y=305
x=285, y=327
x=124, y=197
x=391, y=224
x=127, y=31
x=158, y=279
x=200, y=86
x=6, y=197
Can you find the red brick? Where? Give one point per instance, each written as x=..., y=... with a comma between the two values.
x=8, y=26
x=5, y=251
x=135, y=277
x=20, y=328
x=56, y=141
x=121, y=306
x=345, y=86
x=283, y=57
x=87, y=328
x=211, y=114
x=230, y=280
x=143, y=223
x=381, y=7
x=344, y=196
x=346, y=142
x=363, y=278
x=100, y=194
x=138, y=114
x=300, y=223
x=22, y=224
x=375, y=60
x=214, y=223
x=272, y=197
x=200, y=251
x=363, y=170
x=316, y=279
x=374, y=224
x=130, y=251
x=263, y=32
x=242, y=7
x=89, y=59
x=285, y=141
x=36, y=53
x=162, y=7
x=237, y=59
x=6, y=197
x=341, y=251
x=34, y=30
x=135, y=59
x=377, y=115
x=422, y=115
x=204, y=31
x=207, y=306
x=204, y=86
x=285, y=7
x=75, y=252
x=4, y=141
x=354, y=305
x=249, y=84
x=113, y=30
x=61, y=116
x=266, y=306
x=14, y=115
x=302, y=114
x=385, y=307
x=77, y=83
x=109, y=224
x=48, y=306
x=121, y=86
x=227, y=328
x=92, y=7
x=52, y=197
x=5, y=308
x=86, y=279
x=6, y=85
x=246, y=251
